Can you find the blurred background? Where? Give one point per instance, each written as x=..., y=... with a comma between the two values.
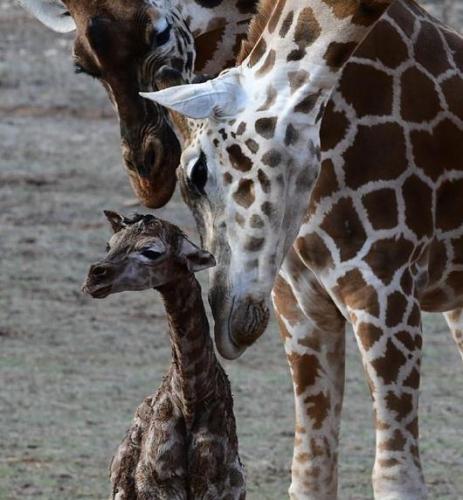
x=73, y=370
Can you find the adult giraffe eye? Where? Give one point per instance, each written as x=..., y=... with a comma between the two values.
x=162, y=37
x=79, y=69
x=198, y=174
x=151, y=254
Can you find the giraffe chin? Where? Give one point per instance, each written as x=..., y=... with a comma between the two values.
x=245, y=323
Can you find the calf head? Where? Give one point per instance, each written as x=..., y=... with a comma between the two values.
x=144, y=252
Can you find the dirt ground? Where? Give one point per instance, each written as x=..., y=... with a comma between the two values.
x=72, y=370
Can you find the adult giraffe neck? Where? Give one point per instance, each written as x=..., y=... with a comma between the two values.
x=218, y=30
x=322, y=36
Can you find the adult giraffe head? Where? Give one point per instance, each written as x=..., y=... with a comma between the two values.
x=252, y=158
x=124, y=44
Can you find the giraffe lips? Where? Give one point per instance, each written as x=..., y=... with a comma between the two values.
x=97, y=293
x=248, y=321
x=245, y=322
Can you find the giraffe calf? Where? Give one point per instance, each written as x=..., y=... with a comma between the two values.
x=182, y=442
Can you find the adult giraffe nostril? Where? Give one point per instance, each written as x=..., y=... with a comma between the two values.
x=150, y=158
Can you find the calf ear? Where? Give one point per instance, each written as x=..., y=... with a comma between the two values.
x=220, y=97
x=196, y=258
x=52, y=13
x=116, y=220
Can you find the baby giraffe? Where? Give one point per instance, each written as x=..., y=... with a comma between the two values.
x=182, y=443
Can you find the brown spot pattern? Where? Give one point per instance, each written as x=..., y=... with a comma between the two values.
x=313, y=251
x=388, y=255
x=238, y=159
x=337, y=53
x=318, y=407
x=381, y=207
x=396, y=306
x=365, y=159
x=377, y=82
x=343, y=224
x=383, y=44
x=387, y=367
x=271, y=158
x=442, y=150
x=305, y=368
x=417, y=89
x=286, y=303
x=356, y=293
x=368, y=335
x=333, y=131
x=418, y=206
x=245, y=194
x=297, y=79
x=307, y=104
x=266, y=126
x=268, y=64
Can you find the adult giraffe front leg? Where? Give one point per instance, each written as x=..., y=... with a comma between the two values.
x=313, y=331
x=387, y=325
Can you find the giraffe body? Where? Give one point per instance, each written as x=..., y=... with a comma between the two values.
x=377, y=225
x=182, y=442
x=392, y=226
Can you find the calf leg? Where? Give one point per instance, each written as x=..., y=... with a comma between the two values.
x=150, y=462
x=124, y=462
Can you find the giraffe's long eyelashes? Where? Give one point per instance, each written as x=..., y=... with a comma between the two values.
x=198, y=174
x=161, y=33
x=161, y=38
x=150, y=254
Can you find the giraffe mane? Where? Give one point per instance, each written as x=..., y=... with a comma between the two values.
x=256, y=27
x=134, y=218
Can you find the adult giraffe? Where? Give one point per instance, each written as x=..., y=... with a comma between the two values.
x=124, y=43
x=378, y=228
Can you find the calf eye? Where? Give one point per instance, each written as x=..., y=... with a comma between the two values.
x=198, y=174
x=151, y=254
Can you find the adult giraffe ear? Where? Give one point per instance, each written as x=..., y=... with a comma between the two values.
x=52, y=13
x=196, y=258
x=116, y=220
x=220, y=98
